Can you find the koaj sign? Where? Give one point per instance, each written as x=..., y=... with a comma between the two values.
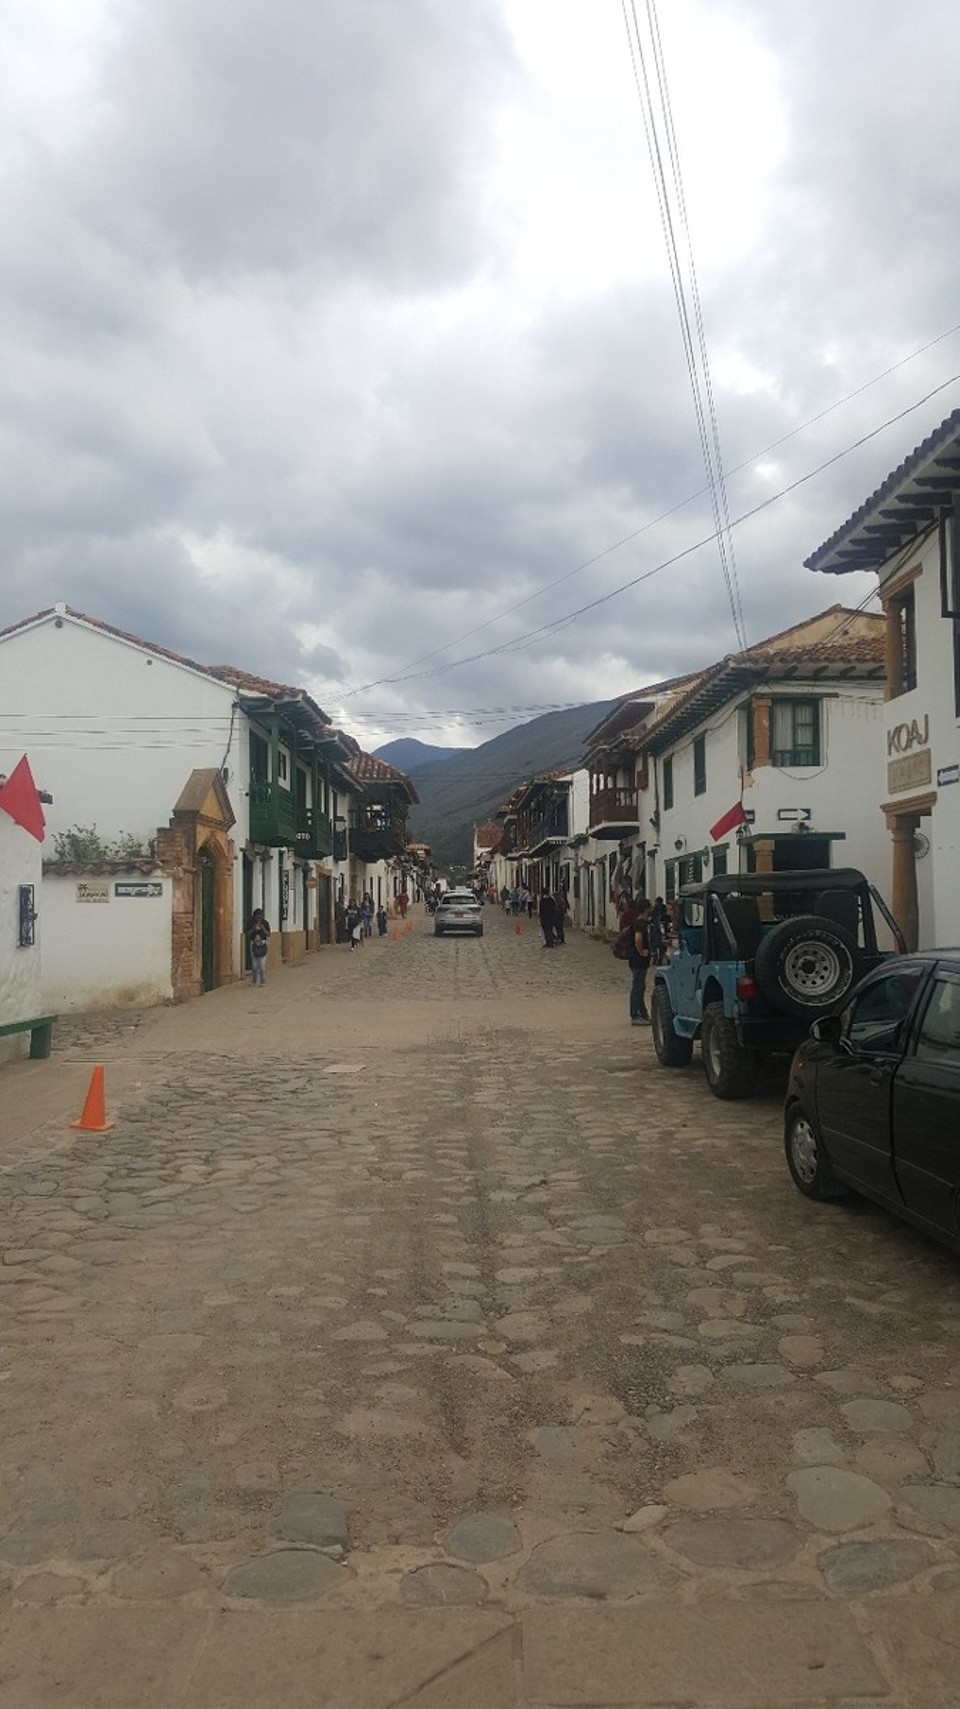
x=903, y=738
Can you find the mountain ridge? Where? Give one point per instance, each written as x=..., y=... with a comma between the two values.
x=465, y=789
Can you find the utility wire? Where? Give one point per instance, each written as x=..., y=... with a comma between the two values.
x=607, y=551
x=547, y=629
x=661, y=138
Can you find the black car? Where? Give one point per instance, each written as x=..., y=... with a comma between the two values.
x=874, y=1095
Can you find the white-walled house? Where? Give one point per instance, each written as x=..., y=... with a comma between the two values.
x=21, y=929
x=908, y=533
x=794, y=725
x=222, y=778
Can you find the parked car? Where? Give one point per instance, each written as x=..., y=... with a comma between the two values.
x=874, y=1096
x=758, y=956
x=458, y=911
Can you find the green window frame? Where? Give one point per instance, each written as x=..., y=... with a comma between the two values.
x=719, y=860
x=795, y=730
x=668, y=782
x=670, y=885
x=700, y=765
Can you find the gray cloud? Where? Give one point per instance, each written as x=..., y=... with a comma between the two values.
x=277, y=393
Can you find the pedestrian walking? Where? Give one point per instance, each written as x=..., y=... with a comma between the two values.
x=560, y=917
x=258, y=939
x=639, y=962
x=367, y=911
x=403, y=903
x=382, y=920
x=354, y=924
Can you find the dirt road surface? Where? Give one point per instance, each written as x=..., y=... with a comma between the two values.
x=413, y=1339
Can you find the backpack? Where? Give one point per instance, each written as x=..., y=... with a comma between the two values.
x=258, y=946
x=623, y=943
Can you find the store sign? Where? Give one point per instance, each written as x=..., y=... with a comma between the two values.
x=913, y=771
x=93, y=890
x=903, y=738
x=145, y=887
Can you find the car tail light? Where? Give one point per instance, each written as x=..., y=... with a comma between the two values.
x=746, y=987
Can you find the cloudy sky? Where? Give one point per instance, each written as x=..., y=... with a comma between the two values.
x=339, y=338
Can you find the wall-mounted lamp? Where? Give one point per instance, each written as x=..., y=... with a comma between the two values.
x=680, y=844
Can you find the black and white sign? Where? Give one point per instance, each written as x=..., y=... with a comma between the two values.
x=134, y=887
x=948, y=774
x=795, y=815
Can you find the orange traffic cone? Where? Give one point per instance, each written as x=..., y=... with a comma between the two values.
x=93, y=1118
x=517, y=928
x=396, y=934
x=408, y=927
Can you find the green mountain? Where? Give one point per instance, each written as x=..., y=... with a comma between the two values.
x=464, y=790
x=407, y=754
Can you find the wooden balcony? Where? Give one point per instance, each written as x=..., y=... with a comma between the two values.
x=550, y=829
x=277, y=821
x=614, y=813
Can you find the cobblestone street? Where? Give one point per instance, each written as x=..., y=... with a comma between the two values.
x=413, y=1338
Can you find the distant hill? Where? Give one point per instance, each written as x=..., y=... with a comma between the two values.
x=406, y=753
x=463, y=790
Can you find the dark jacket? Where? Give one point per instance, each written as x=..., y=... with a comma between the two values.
x=640, y=957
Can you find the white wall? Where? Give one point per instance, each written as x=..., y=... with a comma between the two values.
x=20, y=991
x=933, y=698
x=843, y=793
x=105, y=954
x=115, y=731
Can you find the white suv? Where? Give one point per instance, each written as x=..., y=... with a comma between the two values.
x=458, y=911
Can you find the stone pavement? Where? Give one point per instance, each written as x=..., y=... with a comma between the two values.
x=414, y=1339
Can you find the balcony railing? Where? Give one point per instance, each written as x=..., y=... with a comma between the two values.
x=278, y=821
x=617, y=806
x=551, y=827
x=377, y=831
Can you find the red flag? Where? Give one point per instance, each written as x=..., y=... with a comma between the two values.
x=731, y=819
x=19, y=798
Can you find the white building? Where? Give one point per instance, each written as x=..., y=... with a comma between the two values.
x=907, y=532
x=224, y=779
x=792, y=727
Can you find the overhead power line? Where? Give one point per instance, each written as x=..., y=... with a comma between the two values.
x=663, y=148
x=520, y=641
x=664, y=516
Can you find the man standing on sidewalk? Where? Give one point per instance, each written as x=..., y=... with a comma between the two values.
x=639, y=960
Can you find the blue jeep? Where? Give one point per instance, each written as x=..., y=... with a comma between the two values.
x=759, y=957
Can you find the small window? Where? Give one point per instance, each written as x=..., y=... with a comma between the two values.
x=796, y=732
x=668, y=783
x=283, y=766
x=719, y=861
x=671, y=880
x=939, y=1039
x=902, y=618
x=875, y=1022
x=700, y=766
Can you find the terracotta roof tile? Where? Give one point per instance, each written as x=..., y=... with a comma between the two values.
x=366, y=768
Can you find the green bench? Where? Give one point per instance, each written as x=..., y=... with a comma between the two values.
x=41, y=1034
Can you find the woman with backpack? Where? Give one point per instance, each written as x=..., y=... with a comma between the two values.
x=258, y=940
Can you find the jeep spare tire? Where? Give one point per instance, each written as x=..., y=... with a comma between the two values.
x=806, y=965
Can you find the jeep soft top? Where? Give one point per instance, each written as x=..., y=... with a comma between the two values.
x=760, y=955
